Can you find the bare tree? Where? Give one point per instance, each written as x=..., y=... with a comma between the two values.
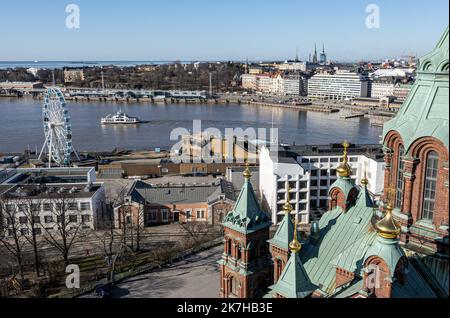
x=11, y=235
x=195, y=230
x=138, y=226
x=32, y=212
x=68, y=226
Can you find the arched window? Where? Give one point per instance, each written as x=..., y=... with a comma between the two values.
x=279, y=267
x=229, y=247
x=429, y=192
x=233, y=287
x=400, y=181
x=239, y=252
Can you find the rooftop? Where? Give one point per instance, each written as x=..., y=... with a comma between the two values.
x=289, y=154
x=51, y=192
x=169, y=194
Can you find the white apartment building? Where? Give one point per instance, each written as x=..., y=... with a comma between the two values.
x=263, y=83
x=341, y=85
x=45, y=191
x=381, y=89
x=309, y=171
x=249, y=81
x=292, y=66
x=276, y=84
x=292, y=85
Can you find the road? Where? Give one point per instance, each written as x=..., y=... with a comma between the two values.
x=197, y=276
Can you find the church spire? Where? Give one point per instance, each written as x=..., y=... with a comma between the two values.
x=247, y=215
x=294, y=281
x=285, y=230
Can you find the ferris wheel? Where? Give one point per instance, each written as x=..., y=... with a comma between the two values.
x=57, y=129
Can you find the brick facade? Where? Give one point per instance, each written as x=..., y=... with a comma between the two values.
x=279, y=259
x=413, y=190
x=245, y=269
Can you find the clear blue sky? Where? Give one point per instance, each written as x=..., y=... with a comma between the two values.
x=217, y=29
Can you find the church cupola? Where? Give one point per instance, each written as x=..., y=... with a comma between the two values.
x=279, y=243
x=385, y=261
x=294, y=281
x=343, y=191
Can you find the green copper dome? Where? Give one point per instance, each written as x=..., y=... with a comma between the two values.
x=425, y=111
x=294, y=281
x=247, y=215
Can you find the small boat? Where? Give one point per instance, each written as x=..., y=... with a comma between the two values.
x=120, y=118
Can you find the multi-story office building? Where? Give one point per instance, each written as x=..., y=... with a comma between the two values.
x=401, y=91
x=341, y=85
x=381, y=88
x=51, y=194
x=292, y=85
x=309, y=171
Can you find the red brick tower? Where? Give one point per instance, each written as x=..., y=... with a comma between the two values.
x=245, y=264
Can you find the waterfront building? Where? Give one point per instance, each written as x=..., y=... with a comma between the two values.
x=263, y=83
x=341, y=85
x=73, y=75
x=153, y=204
x=309, y=171
x=50, y=193
x=248, y=81
x=292, y=85
x=401, y=91
x=353, y=245
x=381, y=88
x=277, y=84
x=21, y=86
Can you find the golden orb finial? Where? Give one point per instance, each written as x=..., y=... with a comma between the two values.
x=364, y=180
x=388, y=227
x=247, y=173
x=295, y=245
x=344, y=170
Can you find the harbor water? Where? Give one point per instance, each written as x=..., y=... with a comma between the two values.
x=21, y=124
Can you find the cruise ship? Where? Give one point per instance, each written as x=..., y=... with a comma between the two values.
x=120, y=118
